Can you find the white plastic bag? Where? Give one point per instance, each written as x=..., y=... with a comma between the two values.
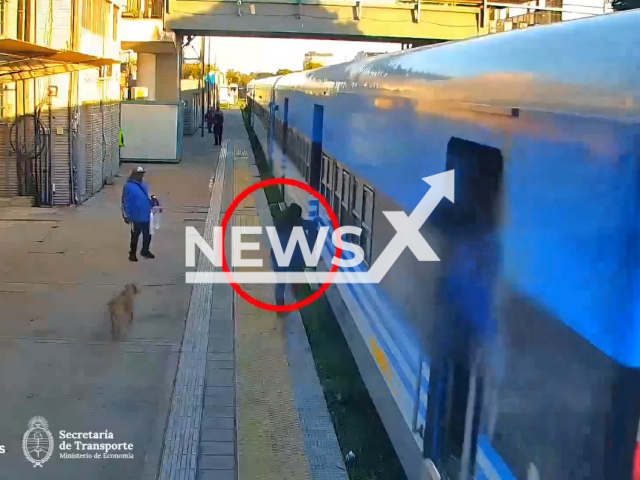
x=155, y=219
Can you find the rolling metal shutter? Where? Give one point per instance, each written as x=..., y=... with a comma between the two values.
x=100, y=127
x=93, y=149
x=8, y=166
x=60, y=169
x=112, y=125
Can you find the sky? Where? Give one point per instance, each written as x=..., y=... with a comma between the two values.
x=270, y=54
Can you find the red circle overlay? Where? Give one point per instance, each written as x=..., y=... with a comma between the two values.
x=227, y=218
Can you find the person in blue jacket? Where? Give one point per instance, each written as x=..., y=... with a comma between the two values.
x=136, y=211
x=291, y=217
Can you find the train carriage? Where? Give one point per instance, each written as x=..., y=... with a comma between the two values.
x=541, y=129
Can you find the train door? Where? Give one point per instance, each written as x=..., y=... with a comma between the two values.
x=470, y=268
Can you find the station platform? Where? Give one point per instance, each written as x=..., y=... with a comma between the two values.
x=247, y=402
x=205, y=386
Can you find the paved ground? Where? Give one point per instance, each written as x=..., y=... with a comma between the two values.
x=206, y=387
x=247, y=402
x=59, y=269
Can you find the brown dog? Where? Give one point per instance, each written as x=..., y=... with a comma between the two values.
x=121, y=311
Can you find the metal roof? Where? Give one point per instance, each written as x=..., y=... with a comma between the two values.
x=23, y=60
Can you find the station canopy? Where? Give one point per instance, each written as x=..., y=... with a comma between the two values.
x=23, y=60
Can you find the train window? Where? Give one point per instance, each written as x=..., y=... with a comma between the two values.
x=478, y=177
x=323, y=180
x=345, y=186
x=303, y=170
x=309, y=162
x=367, y=223
x=355, y=216
x=367, y=206
x=336, y=191
x=354, y=197
x=288, y=142
x=344, y=214
x=330, y=165
x=303, y=163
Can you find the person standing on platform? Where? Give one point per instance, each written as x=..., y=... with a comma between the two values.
x=136, y=211
x=218, y=121
x=121, y=144
x=209, y=118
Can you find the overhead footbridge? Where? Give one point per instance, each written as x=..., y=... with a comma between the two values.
x=412, y=21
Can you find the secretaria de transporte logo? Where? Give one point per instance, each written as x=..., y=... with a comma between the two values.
x=37, y=442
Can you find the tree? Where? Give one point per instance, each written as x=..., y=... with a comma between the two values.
x=262, y=75
x=312, y=65
x=234, y=77
x=619, y=5
x=284, y=71
x=245, y=79
x=194, y=70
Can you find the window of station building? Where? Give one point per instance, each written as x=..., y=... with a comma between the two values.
x=3, y=13
x=106, y=71
x=116, y=14
x=23, y=28
x=94, y=15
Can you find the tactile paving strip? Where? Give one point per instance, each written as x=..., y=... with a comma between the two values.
x=270, y=439
x=240, y=149
x=320, y=441
x=180, y=449
x=242, y=181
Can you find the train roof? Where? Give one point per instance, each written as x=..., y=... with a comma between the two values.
x=268, y=81
x=538, y=67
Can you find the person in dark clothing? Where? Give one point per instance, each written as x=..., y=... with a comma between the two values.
x=218, y=121
x=136, y=211
x=209, y=119
x=291, y=218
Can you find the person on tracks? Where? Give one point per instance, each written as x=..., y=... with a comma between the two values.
x=291, y=218
x=218, y=122
x=136, y=211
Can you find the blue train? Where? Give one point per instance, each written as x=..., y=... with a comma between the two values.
x=540, y=252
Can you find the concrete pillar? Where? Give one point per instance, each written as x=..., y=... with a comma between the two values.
x=147, y=73
x=167, y=71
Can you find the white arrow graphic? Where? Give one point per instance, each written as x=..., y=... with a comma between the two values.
x=408, y=228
